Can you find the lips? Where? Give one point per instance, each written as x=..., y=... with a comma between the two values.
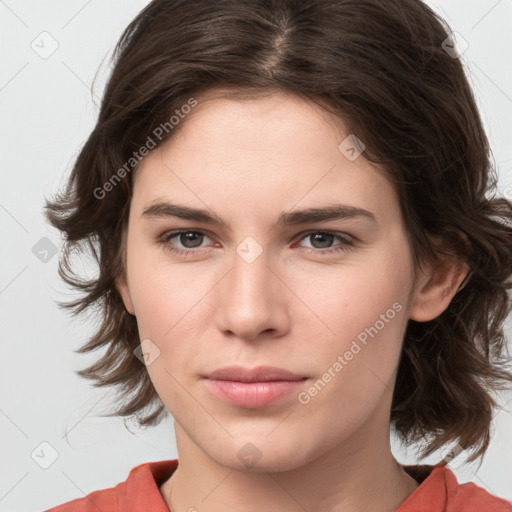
x=257, y=374
x=253, y=388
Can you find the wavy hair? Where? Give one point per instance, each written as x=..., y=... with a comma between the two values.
x=386, y=70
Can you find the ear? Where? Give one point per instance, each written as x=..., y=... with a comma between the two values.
x=124, y=291
x=436, y=287
x=121, y=280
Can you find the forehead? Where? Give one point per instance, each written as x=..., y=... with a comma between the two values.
x=260, y=124
x=280, y=148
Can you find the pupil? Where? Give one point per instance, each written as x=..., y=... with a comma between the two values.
x=189, y=237
x=318, y=238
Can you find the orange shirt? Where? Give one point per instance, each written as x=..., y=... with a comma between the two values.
x=439, y=491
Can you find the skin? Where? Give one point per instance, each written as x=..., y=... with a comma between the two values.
x=294, y=307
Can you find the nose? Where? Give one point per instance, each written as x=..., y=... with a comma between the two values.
x=252, y=300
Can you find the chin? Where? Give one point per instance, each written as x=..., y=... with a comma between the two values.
x=252, y=457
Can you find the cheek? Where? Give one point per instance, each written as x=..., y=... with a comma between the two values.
x=352, y=297
x=365, y=309
x=163, y=293
x=167, y=298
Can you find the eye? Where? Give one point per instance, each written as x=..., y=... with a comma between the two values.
x=322, y=241
x=190, y=241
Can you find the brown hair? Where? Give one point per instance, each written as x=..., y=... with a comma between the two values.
x=382, y=67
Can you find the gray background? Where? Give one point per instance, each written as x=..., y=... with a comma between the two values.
x=46, y=112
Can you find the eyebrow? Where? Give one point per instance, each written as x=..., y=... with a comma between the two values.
x=290, y=218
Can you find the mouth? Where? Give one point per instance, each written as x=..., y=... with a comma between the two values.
x=257, y=374
x=253, y=388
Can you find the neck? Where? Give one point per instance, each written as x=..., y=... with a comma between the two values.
x=359, y=474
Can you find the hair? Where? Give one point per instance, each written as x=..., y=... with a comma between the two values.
x=382, y=69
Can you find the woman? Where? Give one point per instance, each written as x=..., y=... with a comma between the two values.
x=291, y=207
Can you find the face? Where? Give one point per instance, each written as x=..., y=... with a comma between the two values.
x=326, y=297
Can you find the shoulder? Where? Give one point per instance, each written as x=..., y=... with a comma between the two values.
x=470, y=497
x=439, y=491
x=104, y=499
x=140, y=489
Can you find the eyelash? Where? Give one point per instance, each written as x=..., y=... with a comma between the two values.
x=166, y=237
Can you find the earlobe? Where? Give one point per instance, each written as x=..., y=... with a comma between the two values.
x=124, y=291
x=436, y=289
